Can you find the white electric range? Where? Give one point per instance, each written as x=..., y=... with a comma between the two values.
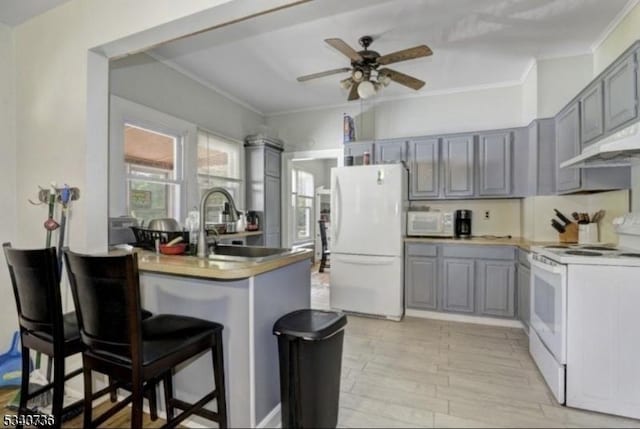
x=585, y=335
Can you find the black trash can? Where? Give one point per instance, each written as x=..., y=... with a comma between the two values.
x=310, y=347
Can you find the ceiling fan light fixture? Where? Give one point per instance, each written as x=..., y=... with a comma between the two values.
x=366, y=89
x=357, y=75
x=384, y=79
x=346, y=83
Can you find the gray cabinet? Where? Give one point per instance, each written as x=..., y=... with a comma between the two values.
x=458, y=158
x=357, y=150
x=621, y=94
x=494, y=163
x=524, y=294
x=424, y=168
x=421, y=277
x=458, y=285
x=591, y=114
x=541, y=172
x=263, y=189
x=496, y=288
x=390, y=151
x=567, y=146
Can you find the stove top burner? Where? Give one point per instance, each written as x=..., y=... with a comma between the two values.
x=582, y=253
x=631, y=255
x=557, y=246
x=598, y=248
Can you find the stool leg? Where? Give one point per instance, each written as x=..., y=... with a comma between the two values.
x=113, y=392
x=153, y=400
x=58, y=389
x=137, y=392
x=24, y=384
x=168, y=395
x=218, y=375
x=88, y=393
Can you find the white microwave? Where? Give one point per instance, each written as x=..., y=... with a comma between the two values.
x=429, y=224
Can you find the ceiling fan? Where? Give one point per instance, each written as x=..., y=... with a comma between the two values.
x=364, y=64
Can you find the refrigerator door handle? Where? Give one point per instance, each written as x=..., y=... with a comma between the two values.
x=363, y=260
x=336, y=210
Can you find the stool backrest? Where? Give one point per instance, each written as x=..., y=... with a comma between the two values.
x=106, y=293
x=36, y=287
x=323, y=235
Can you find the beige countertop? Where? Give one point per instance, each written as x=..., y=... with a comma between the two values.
x=191, y=266
x=519, y=242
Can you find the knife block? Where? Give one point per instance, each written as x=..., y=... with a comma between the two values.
x=570, y=235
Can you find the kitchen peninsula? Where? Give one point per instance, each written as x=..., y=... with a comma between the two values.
x=247, y=298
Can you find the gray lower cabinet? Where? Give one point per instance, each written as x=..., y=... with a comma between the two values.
x=458, y=285
x=390, y=151
x=592, y=114
x=421, y=275
x=459, y=163
x=494, y=163
x=424, y=168
x=524, y=294
x=621, y=94
x=496, y=288
x=567, y=146
x=357, y=150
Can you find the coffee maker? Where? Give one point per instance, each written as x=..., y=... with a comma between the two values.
x=462, y=223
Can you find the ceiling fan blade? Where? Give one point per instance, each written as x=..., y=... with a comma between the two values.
x=353, y=94
x=405, y=54
x=323, y=74
x=347, y=50
x=403, y=79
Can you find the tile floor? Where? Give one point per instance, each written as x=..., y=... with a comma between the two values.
x=429, y=373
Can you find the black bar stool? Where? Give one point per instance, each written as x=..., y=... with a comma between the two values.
x=106, y=292
x=36, y=286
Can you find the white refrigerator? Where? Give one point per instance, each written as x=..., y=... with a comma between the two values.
x=368, y=218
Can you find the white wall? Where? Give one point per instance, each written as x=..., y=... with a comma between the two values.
x=530, y=95
x=504, y=214
x=561, y=79
x=8, y=196
x=465, y=111
x=144, y=80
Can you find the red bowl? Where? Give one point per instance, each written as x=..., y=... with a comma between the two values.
x=176, y=249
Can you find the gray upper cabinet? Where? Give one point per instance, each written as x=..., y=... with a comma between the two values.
x=424, y=168
x=272, y=162
x=496, y=288
x=458, y=285
x=357, y=150
x=541, y=155
x=621, y=94
x=567, y=146
x=421, y=278
x=390, y=152
x=458, y=158
x=494, y=163
x=591, y=114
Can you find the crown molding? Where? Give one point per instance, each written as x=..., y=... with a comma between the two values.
x=614, y=24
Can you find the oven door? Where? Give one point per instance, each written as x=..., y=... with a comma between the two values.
x=549, y=306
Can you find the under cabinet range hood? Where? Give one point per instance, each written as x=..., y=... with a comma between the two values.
x=620, y=149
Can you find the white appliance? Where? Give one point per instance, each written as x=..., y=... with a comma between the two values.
x=368, y=217
x=429, y=224
x=619, y=149
x=585, y=337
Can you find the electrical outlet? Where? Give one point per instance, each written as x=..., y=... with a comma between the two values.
x=487, y=214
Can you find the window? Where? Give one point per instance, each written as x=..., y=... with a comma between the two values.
x=302, y=202
x=219, y=165
x=154, y=177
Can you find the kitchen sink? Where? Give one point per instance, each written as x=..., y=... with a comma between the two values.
x=248, y=253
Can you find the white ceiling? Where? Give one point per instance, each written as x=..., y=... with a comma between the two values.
x=14, y=12
x=476, y=43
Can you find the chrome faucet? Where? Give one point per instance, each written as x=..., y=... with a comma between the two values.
x=202, y=234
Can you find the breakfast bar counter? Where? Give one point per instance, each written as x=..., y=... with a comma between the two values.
x=247, y=298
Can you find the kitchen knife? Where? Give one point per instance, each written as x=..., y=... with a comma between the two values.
x=562, y=217
x=575, y=216
x=557, y=226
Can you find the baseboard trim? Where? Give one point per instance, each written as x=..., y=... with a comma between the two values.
x=272, y=420
x=478, y=320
